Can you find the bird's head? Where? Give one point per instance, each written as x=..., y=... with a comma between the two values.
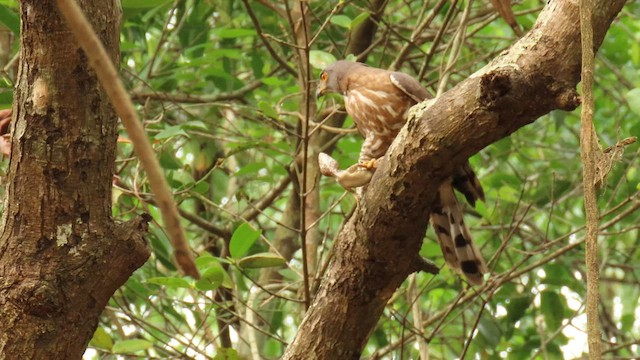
x=331, y=78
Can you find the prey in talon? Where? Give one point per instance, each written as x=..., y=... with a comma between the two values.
x=353, y=177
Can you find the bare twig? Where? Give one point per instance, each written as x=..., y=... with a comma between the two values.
x=250, y=213
x=163, y=38
x=500, y=279
x=455, y=49
x=205, y=225
x=414, y=35
x=305, y=155
x=195, y=99
x=590, y=152
x=435, y=44
x=266, y=43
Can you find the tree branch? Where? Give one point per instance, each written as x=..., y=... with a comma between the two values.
x=374, y=250
x=197, y=99
x=112, y=84
x=589, y=152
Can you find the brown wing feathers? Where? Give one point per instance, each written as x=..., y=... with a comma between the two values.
x=465, y=181
x=409, y=86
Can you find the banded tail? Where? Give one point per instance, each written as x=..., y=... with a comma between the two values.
x=460, y=252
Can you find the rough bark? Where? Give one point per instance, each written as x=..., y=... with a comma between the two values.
x=61, y=254
x=378, y=248
x=589, y=152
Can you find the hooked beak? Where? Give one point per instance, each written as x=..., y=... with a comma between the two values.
x=320, y=91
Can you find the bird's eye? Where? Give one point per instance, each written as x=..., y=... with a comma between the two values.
x=324, y=76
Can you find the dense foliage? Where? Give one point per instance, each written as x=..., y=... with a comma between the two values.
x=226, y=99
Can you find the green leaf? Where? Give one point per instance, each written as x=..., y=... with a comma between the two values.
x=211, y=278
x=268, y=109
x=6, y=99
x=351, y=57
x=490, y=331
x=481, y=208
x=341, y=20
x=273, y=348
x=504, y=145
x=207, y=261
x=633, y=98
x=242, y=239
x=320, y=59
x=226, y=354
x=430, y=250
x=261, y=260
x=130, y=346
x=552, y=352
x=169, y=132
x=508, y=193
x=226, y=281
x=195, y=125
x=233, y=33
x=10, y=19
x=552, y=309
x=274, y=81
x=559, y=118
x=249, y=169
x=101, y=339
x=141, y=4
x=173, y=282
x=635, y=52
x=160, y=244
x=359, y=19
x=201, y=188
x=168, y=162
x=626, y=322
x=228, y=53
x=559, y=274
x=517, y=307
x=289, y=274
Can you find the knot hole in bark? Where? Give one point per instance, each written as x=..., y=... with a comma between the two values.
x=493, y=86
x=566, y=98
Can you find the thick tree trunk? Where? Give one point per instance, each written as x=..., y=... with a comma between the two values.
x=61, y=254
x=378, y=248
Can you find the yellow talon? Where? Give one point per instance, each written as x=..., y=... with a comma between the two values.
x=369, y=164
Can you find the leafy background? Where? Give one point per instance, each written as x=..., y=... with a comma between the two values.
x=227, y=114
